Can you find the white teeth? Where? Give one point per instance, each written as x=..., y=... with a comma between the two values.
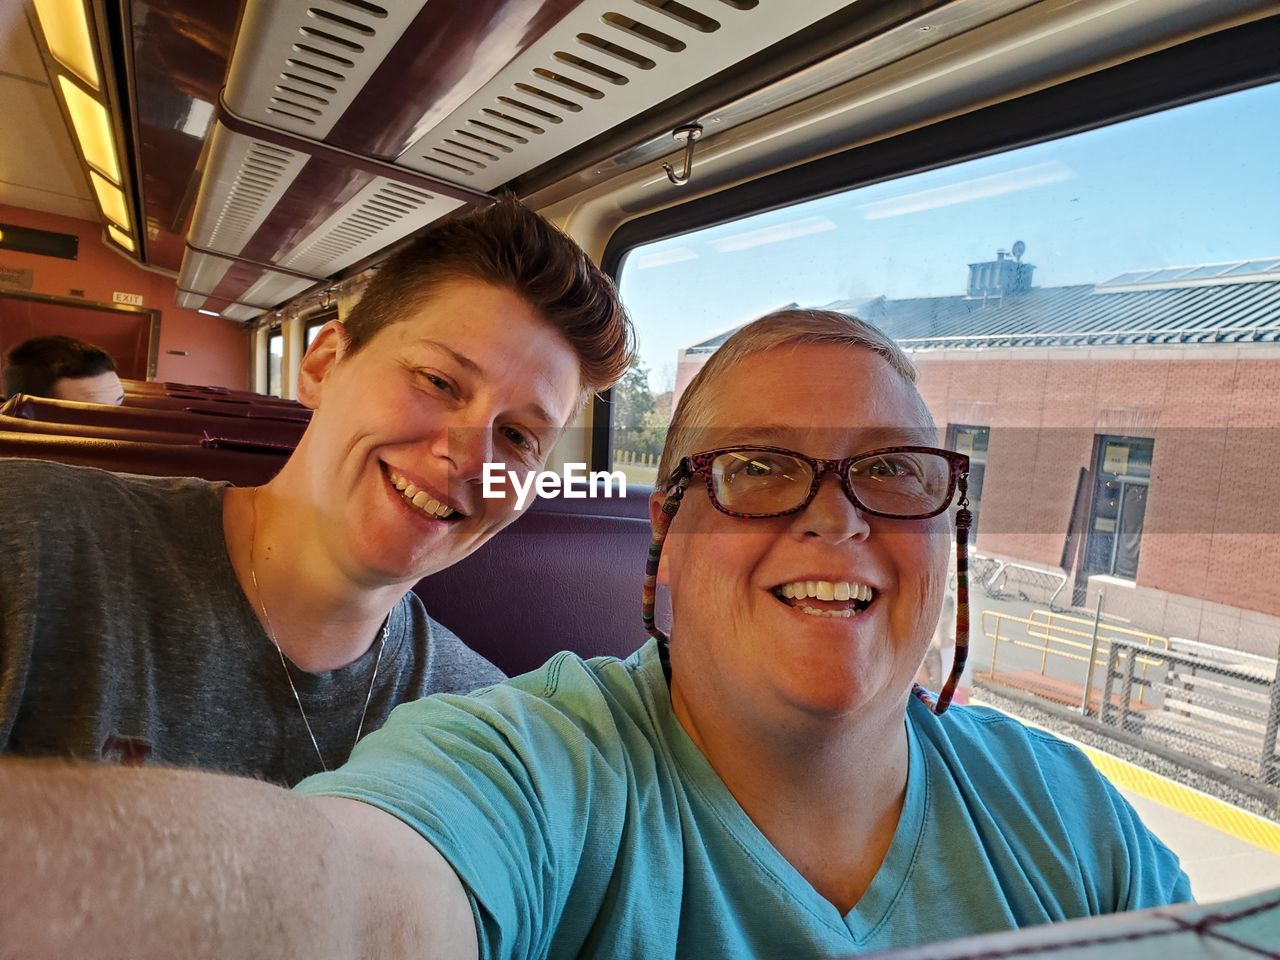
x=815, y=612
x=421, y=499
x=840, y=590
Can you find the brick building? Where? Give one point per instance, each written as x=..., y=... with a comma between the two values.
x=1126, y=432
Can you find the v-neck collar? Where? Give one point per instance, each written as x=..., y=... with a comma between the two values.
x=876, y=904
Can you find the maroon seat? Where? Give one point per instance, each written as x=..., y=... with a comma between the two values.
x=170, y=398
x=170, y=385
x=140, y=387
x=22, y=425
x=151, y=459
x=170, y=401
x=565, y=576
x=256, y=411
x=217, y=405
x=251, y=429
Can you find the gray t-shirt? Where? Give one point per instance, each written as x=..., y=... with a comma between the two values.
x=125, y=636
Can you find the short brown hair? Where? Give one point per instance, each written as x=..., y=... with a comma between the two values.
x=509, y=246
x=34, y=366
x=777, y=329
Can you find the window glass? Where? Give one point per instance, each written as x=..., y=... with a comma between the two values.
x=313, y=330
x=1122, y=467
x=275, y=359
x=972, y=442
x=1093, y=321
x=314, y=325
x=930, y=257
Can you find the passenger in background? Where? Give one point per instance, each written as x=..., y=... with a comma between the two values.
x=764, y=784
x=62, y=368
x=261, y=631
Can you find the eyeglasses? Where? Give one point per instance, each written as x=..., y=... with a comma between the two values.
x=759, y=482
x=901, y=483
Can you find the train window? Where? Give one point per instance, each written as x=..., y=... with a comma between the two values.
x=1128, y=235
x=1093, y=321
x=275, y=361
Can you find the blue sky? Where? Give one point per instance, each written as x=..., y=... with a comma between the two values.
x=1197, y=184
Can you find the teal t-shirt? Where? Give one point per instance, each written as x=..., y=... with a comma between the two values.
x=583, y=821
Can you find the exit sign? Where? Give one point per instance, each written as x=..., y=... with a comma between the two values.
x=132, y=299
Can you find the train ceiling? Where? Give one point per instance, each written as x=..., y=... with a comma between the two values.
x=269, y=146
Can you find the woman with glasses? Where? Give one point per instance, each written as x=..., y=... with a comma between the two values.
x=760, y=783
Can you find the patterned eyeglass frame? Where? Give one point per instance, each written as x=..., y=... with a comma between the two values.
x=699, y=465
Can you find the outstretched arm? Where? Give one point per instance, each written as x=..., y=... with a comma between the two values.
x=111, y=862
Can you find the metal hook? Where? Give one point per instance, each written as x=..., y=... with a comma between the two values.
x=688, y=135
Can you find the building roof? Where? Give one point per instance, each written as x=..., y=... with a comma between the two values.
x=1236, y=302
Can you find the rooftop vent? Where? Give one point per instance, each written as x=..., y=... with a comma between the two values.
x=1002, y=276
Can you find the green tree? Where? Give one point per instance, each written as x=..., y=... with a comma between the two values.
x=638, y=425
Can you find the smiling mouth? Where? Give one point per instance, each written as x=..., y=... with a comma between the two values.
x=837, y=599
x=422, y=501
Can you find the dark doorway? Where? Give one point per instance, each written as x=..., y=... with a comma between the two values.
x=129, y=335
x=1122, y=471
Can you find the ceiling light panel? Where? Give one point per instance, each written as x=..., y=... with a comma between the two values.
x=92, y=124
x=66, y=32
x=242, y=182
x=110, y=200
x=120, y=237
x=604, y=62
x=298, y=65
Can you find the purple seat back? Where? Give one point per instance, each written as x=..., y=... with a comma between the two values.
x=565, y=576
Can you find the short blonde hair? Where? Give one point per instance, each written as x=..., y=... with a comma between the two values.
x=781, y=328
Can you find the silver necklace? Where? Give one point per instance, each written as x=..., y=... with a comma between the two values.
x=271, y=635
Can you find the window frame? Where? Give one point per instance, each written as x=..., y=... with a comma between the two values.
x=1228, y=61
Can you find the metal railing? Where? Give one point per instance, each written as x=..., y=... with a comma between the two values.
x=1067, y=639
x=1004, y=579
x=1216, y=704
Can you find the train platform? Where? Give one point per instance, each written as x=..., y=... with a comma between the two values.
x=1226, y=851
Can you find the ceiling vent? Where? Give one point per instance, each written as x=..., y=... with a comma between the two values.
x=606, y=61
x=290, y=208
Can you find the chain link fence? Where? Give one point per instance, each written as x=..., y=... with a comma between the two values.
x=1219, y=705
